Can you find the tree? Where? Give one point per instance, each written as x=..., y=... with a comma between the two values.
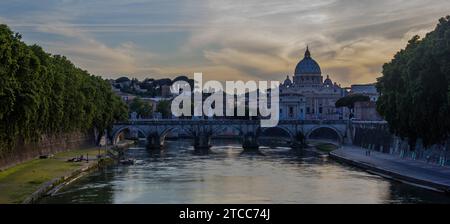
x=164, y=108
x=142, y=108
x=415, y=88
x=350, y=100
x=43, y=94
x=135, y=104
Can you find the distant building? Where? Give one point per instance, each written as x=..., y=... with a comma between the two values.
x=292, y=106
x=126, y=97
x=369, y=90
x=307, y=96
x=366, y=111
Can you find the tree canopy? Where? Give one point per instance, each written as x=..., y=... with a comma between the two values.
x=43, y=94
x=350, y=100
x=164, y=108
x=415, y=88
x=142, y=108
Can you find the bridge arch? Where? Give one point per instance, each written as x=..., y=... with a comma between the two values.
x=168, y=130
x=274, y=130
x=281, y=134
x=325, y=132
x=119, y=131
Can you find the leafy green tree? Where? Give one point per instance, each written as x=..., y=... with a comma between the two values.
x=350, y=100
x=43, y=94
x=146, y=110
x=415, y=88
x=135, y=104
x=142, y=108
x=163, y=107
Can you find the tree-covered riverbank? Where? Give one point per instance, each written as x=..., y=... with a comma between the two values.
x=46, y=95
x=415, y=89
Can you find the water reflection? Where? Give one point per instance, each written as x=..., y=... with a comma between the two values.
x=226, y=174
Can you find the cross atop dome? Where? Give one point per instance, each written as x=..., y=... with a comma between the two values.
x=307, y=53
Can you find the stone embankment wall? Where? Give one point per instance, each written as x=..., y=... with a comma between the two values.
x=47, y=145
x=376, y=136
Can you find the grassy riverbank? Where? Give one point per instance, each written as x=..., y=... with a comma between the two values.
x=326, y=147
x=323, y=147
x=18, y=182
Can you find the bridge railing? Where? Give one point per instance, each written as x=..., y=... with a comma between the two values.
x=224, y=122
x=369, y=122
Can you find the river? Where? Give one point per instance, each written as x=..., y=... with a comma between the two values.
x=228, y=175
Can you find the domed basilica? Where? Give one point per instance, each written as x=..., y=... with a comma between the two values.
x=307, y=96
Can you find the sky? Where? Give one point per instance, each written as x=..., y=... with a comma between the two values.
x=224, y=39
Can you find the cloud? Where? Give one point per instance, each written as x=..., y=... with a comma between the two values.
x=229, y=39
x=87, y=52
x=350, y=39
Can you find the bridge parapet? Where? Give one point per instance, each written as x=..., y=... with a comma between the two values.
x=370, y=124
x=221, y=122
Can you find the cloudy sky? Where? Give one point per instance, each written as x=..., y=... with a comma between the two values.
x=224, y=39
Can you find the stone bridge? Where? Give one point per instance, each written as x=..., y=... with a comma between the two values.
x=250, y=131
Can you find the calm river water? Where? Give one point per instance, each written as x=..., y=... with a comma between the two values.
x=227, y=175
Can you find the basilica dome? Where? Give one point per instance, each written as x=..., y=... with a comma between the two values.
x=307, y=66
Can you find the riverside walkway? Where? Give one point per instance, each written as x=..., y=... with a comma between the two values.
x=418, y=173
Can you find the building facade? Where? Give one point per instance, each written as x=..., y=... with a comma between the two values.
x=366, y=111
x=369, y=90
x=308, y=96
